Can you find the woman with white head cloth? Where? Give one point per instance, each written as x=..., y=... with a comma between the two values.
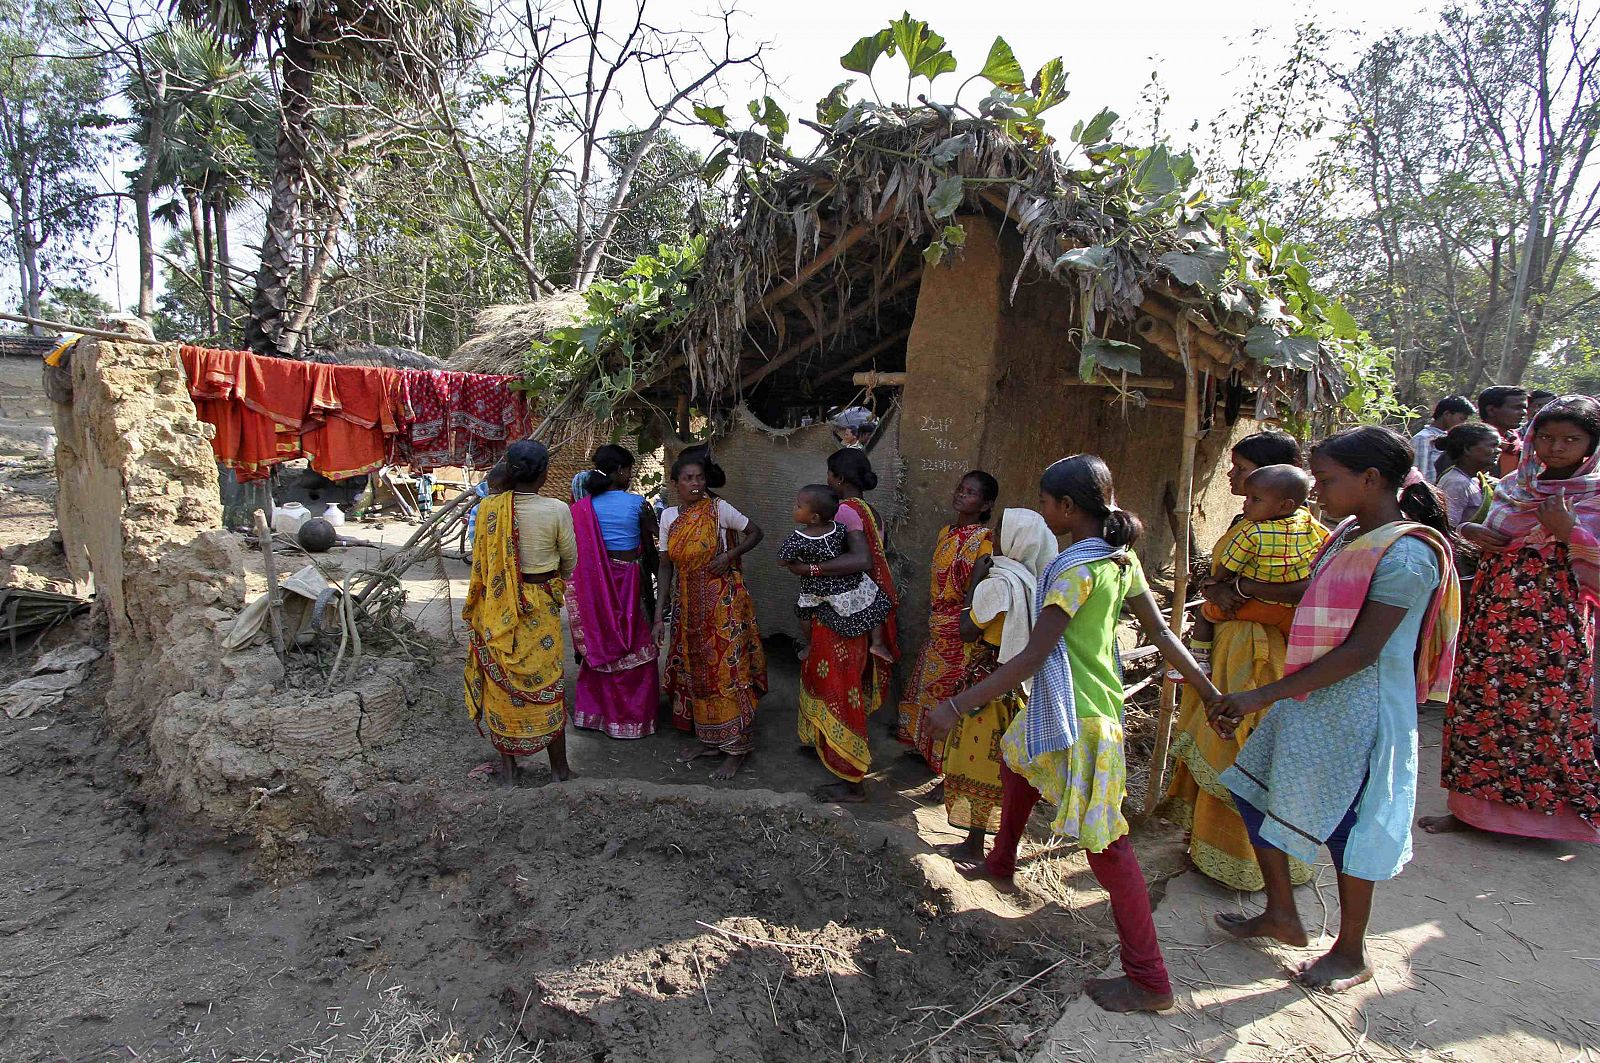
x=998, y=618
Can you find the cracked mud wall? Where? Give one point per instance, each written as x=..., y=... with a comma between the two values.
x=140, y=515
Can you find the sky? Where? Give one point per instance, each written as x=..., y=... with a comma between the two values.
x=1110, y=49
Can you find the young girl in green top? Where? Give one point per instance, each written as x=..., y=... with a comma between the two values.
x=1070, y=752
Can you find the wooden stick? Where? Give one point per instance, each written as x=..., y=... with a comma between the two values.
x=82, y=330
x=1106, y=380
x=1180, y=582
x=879, y=380
x=274, y=606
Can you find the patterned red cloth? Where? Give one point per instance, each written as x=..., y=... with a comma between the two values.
x=464, y=419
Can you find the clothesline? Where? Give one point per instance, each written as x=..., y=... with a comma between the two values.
x=350, y=420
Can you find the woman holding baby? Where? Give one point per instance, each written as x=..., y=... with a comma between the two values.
x=1246, y=648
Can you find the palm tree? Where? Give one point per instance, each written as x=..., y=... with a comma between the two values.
x=199, y=114
x=396, y=41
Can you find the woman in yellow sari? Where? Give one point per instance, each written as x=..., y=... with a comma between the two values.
x=523, y=550
x=1244, y=655
x=716, y=670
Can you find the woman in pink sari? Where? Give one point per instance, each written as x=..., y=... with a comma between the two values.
x=619, y=689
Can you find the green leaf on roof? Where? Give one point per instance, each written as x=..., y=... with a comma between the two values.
x=921, y=48
x=1112, y=355
x=1002, y=68
x=1097, y=130
x=867, y=51
x=1086, y=259
x=949, y=149
x=836, y=104
x=946, y=197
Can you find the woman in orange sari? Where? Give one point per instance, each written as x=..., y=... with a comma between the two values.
x=941, y=666
x=716, y=670
x=842, y=681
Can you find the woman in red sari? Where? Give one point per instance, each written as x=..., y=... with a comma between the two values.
x=1519, y=752
x=941, y=666
x=842, y=682
x=716, y=668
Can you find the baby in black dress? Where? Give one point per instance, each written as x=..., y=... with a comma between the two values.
x=850, y=605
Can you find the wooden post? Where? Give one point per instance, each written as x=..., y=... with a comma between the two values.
x=274, y=606
x=1180, y=583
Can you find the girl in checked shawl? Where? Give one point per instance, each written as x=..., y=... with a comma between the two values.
x=943, y=660
x=1335, y=760
x=1066, y=745
x=1519, y=735
x=523, y=550
x=716, y=669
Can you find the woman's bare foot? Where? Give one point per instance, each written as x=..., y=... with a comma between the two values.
x=963, y=852
x=695, y=753
x=842, y=793
x=1445, y=824
x=729, y=767
x=880, y=650
x=1124, y=994
x=508, y=770
x=1333, y=973
x=978, y=871
x=802, y=651
x=1266, y=925
x=562, y=772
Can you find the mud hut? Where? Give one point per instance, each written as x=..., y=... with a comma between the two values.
x=1001, y=310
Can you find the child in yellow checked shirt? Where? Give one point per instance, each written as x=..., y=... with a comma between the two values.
x=1275, y=542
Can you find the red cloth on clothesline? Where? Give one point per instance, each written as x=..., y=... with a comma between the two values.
x=464, y=419
x=350, y=419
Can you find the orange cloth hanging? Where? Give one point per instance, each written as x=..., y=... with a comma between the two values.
x=352, y=416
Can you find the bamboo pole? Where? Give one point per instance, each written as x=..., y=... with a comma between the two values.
x=1180, y=582
x=82, y=330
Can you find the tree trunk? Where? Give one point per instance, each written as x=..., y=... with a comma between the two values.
x=219, y=228
x=143, y=188
x=198, y=225
x=266, y=331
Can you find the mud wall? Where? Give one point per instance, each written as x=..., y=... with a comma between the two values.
x=985, y=389
x=765, y=468
x=140, y=517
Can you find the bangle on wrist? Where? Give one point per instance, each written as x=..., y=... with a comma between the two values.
x=1239, y=590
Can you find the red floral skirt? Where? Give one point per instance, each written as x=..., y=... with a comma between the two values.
x=1519, y=730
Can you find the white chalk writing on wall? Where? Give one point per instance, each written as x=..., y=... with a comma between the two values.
x=940, y=465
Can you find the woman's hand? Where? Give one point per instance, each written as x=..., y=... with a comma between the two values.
x=659, y=632
x=940, y=721
x=719, y=565
x=1555, y=513
x=1487, y=538
x=1222, y=595
x=1227, y=710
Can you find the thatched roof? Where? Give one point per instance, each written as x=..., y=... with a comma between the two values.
x=821, y=264
x=503, y=333
x=351, y=353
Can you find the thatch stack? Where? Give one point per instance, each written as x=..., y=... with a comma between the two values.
x=503, y=333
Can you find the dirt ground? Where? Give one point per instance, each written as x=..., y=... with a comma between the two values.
x=644, y=913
